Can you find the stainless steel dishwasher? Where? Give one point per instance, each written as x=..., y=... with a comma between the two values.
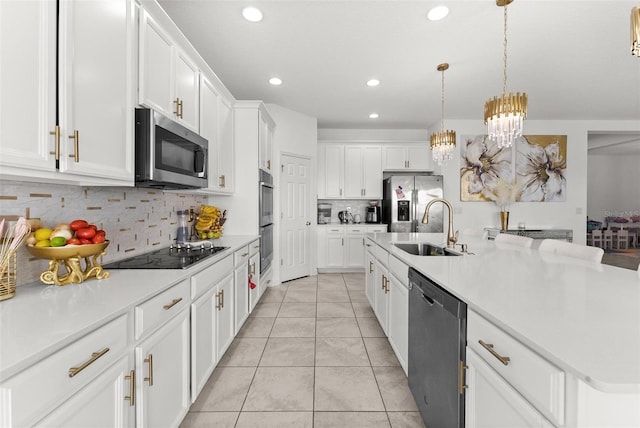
x=437, y=341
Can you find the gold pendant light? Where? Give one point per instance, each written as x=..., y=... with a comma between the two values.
x=504, y=115
x=443, y=143
x=635, y=31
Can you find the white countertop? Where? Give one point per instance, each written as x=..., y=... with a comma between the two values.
x=42, y=318
x=583, y=317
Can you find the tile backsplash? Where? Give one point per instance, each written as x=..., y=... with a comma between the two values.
x=136, y=220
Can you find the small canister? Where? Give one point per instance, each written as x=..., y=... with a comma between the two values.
x=183, y=226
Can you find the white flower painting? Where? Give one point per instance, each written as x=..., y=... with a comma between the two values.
x=536, y=166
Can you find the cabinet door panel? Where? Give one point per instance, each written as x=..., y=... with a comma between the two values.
x=167, y=400
x=381, y=307
x=224, y=307
x=394, y=158
x=398, y=330
x=355, y=251
x=209, y=129
x=334, y=170
x=96, y=87
x=419, y=157
x=203, y=341
x=156, y=63
x=372, y=172
x=491, y=402
x=27, y=84
x=370, y=278
x=353, y=172
x=335, y=250
x=241, y=296
x=226, y=146
x=186, y=81
x=100, y=404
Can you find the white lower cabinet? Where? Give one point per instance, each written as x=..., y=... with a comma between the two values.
x=254, y=274
x=398, y=317
x=381, y=292
x=343, y=246
x=492, y=402
x=241, y=285
x=162, y=375
x=204, y=349
x=108, y=401
x=224, y=315
x=370, y=274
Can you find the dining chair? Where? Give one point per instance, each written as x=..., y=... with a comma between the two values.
x=622, y=239
x=597, y=240
x=522, y=241
x=607, y=239
x=564, y=248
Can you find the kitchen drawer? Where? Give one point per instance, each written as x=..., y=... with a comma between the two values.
x=254, y=247
x=241, y=257
x=357, y=229
x=399, y=270
x=159, y=309
x=539, y=381
x=335, y=230
x=31, y=394
x=377, y=229
x=209, y=277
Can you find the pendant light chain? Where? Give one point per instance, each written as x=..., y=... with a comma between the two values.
x=442, y=116
x=504, y=55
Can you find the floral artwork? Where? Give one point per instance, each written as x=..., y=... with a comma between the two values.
x=534, y=170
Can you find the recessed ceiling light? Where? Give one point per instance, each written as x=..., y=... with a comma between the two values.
x=373, y=82
x=252, y=14
x=438, y=13
x=275, y=81
x=374, y=116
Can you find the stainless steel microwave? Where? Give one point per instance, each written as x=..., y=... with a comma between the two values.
x=168, y=155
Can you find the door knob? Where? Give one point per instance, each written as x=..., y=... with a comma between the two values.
x=308, y=223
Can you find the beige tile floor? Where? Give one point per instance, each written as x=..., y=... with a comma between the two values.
x=312, y=354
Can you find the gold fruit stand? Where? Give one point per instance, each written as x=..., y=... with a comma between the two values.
x=69, y=256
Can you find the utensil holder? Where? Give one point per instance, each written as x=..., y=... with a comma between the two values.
x=504, y=220
x=8, y=278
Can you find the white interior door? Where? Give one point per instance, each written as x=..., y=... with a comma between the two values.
x=295, y=221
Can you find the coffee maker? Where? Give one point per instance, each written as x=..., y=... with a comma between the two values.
x=373, y=214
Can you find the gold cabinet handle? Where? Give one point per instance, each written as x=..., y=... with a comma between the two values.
x=461, y=385
x=132, y=388
x=218, y=300
x=180, y=105
x=56, y=149
x=257, y=247
x=370, y=267
x=268, y=164
x=386, y=285
x=489, y=347
x=253, y=268
x=172, y=304
x=222, y=299
x=149, y=360
x=245, y=254
x=94, y=356
x=221, y=181
x=177, y=110
x=76, y=145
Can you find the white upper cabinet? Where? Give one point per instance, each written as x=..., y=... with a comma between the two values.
x=88, y=133
x=216, y=125
x=407, y=156
x=266, y=129
x=169, y=79
x=349, y=171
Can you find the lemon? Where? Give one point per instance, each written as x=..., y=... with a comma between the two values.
x=58, y=241
x=42, y=234
x=43, y=243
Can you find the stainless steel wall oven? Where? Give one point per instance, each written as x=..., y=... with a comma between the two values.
x=266, y=220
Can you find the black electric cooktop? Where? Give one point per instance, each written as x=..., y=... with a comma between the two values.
x=173, y=257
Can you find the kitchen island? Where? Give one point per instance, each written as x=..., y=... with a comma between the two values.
x=582, y=318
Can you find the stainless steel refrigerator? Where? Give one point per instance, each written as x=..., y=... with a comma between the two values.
x=404, y=199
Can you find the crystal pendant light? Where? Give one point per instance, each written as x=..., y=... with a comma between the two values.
x=635, y=31
x=443, y=143
x=504, y=115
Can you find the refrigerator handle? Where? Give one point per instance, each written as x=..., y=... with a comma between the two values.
x=414, y=209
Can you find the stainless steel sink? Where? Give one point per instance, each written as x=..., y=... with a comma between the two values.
x=423, y=249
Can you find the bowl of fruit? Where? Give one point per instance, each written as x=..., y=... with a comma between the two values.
x=65, y=246
x=209, y=222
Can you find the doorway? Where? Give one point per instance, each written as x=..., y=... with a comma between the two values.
x=295, y=220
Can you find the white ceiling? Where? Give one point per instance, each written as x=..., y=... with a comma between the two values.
x=571, y=57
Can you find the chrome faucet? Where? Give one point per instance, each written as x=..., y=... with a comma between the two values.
x=451, y=237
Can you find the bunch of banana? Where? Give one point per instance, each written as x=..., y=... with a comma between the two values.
x=208, y=224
